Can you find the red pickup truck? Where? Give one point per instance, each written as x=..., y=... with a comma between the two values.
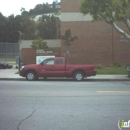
x=56, y=67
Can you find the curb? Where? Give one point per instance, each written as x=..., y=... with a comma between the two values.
x=14, y=79
x=63, y=79
x=108, y=79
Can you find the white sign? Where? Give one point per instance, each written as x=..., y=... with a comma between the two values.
x=42, y=51
x=39, y=59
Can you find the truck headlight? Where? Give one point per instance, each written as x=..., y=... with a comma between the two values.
x=21, y=68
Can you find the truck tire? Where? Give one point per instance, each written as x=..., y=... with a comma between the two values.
x=78, y=76
x=31, y=76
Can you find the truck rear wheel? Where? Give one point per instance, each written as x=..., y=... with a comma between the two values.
x=31, y=76
x=78, y=76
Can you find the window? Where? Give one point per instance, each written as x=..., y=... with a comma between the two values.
x=59, y=61
x=49, y=62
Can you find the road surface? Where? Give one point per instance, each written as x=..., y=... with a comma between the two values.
x=63, y=105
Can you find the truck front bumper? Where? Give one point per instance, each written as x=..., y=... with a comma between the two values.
x=22, y=73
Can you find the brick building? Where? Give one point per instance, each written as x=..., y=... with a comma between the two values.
x=97, y=42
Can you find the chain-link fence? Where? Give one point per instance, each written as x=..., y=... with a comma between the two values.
x=9, y=52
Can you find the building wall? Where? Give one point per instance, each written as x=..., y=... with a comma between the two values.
x=70, y=5
x=28, y=55
x=97, y=42
x=50, y=43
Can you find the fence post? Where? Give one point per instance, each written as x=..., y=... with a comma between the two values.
x=6, y=53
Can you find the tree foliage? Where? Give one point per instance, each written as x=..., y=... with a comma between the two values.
x=39, y=43
x=67, y=39
x=28, y=27
x=3, y=28
x=48, y=27
x=111, y=11
x=44, y=8
x=22, y=27
x=9, y=29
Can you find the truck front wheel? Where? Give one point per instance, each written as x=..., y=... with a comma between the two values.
x=31, y=76
x=78, y=76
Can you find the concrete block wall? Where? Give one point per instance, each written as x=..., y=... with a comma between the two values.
x=28, y=55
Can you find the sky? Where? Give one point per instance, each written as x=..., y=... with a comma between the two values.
x=8, y=7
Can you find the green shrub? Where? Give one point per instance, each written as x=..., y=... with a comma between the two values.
x=112, y=70
x=116, y=64
x=127, y=65
x=99, y=66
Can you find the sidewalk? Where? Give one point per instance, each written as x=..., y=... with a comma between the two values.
x=10, y=74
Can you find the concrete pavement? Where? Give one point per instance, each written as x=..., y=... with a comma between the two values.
x=10, y=74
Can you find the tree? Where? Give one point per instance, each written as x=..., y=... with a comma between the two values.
x=13, y=26
x=39, y=44
x=23, y=27
x=48, y=27
x=41, y=9
x=67, y=39
x=28, y=27
x=9, y=29
x=111, y=11
x=3, y=28
x=22, y=9
x=54, y=4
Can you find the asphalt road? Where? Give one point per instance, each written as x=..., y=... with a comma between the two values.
x=53, y=105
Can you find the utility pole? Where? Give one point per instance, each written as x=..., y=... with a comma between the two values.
x=113, y=58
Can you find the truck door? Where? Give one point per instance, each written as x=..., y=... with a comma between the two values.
x=59, y=67
x=47, y=68
x=53, y=67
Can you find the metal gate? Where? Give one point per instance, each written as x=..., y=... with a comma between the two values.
x=9, y=52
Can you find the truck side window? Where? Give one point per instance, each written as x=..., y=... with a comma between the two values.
x=49, y=62
x=59, y=61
